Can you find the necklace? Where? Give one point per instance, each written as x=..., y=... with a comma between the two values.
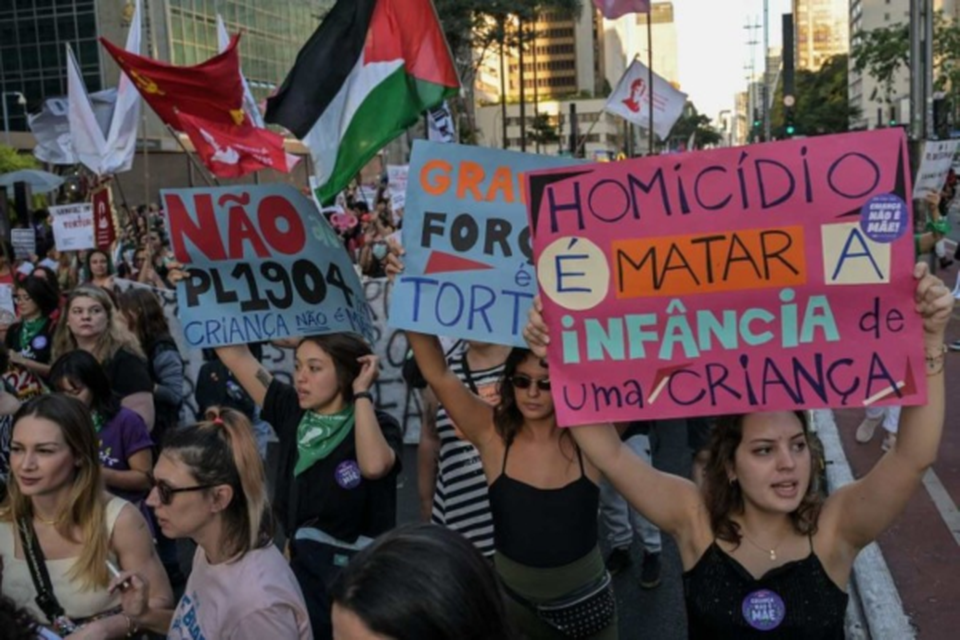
x=772, y=552
x=51, y=523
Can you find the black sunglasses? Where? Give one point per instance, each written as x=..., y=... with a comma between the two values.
x=522, y=381
x=166, y=492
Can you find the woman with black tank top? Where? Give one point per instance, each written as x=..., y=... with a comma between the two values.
x=761, y=549
x=544, y=495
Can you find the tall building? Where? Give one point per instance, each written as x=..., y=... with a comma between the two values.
x=877, y=107
x=33, y=35
x=822, y=31
x=562, y=61
x=626, y=37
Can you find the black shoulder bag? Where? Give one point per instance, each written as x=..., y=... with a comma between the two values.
x=45, y=599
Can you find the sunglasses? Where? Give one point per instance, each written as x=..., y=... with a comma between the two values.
x=521, y=381
x=166, y=492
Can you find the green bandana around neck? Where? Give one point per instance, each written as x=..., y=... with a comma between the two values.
x=29, y=330
x=98, y=421
x=319, y=434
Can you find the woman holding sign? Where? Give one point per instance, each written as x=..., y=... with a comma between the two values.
x=339, y=457
x=761, y=549
x=544, y=495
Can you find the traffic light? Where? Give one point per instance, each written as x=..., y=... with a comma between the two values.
x=757, y=122
x=789, y=128
x=893, y=116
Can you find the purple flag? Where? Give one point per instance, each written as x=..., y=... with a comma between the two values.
x=613, y=9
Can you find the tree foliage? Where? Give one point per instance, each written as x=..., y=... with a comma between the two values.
x=823, y=104
x=10, y=160
x=690, y=122
x=882, y=53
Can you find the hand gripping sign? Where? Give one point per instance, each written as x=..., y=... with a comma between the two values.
x=769, y=277
x=263, y=264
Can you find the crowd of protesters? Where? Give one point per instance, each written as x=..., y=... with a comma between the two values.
x=106, y=480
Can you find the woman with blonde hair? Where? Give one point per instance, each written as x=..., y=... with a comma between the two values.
x=210, y=486
x=90, y=322
x=60, y=531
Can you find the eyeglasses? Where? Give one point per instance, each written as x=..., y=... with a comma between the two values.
x=166, y=492
x=521, y=381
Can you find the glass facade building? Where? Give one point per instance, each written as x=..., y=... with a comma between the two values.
x=32, y=52
x=273, y=32
x=184, y=32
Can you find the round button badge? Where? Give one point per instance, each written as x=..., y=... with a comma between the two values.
x=764, y=610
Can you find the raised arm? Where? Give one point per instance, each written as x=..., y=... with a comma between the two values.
x=473, y=416
x=670, y=502
x=249, y=373
x=861, y=511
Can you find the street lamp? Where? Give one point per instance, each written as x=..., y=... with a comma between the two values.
x=21, y=100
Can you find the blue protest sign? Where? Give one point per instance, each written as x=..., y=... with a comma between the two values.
x=469, y=264
x=263, y=264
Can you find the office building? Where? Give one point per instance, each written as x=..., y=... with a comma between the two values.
x=822, y=31
x=627, y=37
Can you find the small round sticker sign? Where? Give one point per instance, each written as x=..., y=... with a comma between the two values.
x=884, y=218
x=347, y=474
x=764, y=610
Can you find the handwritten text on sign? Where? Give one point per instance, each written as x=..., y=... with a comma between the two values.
x=469, y=263
x=263, y=264
x=72, y=227
x=768, y=277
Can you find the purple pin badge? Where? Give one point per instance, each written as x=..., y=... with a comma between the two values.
x=764, y=610
x=884, y=218
x=347, y=474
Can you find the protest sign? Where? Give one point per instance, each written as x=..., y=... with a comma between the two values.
x=72, y=226
x=468, y=265
x=106, y=233
x=24, y=243
x=6, y=300
x=263, y=264
x=769, y=277
x=934, y=166
x=397, y=182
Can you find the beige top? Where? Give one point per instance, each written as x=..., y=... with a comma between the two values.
x=78, y=604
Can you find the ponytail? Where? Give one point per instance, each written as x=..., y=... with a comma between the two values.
x=223, y=451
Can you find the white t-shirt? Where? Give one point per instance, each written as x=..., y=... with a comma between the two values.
x=255, y=598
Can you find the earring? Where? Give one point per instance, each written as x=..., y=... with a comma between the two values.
x=733, y=481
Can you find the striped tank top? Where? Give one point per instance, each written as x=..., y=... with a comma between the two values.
x=460, y=501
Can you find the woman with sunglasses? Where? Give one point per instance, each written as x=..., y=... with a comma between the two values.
x=30, y=340
x=544, y=496
x=763, y=553
x=210, y=487
x=338, y=461
x=126, y=452
x=57, y=512
x=90, y=322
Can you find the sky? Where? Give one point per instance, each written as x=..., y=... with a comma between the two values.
x=712, y=49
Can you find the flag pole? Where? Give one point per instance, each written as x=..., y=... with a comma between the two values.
x=650, y=73
x=203, y=174
x=583, y=138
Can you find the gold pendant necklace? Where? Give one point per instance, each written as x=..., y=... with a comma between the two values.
x=772, y=552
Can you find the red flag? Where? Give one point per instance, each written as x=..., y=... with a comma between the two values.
x=211, y=90
x=230, y=151
x=103, y=229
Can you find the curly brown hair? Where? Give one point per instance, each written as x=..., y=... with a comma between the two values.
x=725, y=498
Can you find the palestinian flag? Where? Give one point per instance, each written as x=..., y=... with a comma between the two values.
x=366, y=74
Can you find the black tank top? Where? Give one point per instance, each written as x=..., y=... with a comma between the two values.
x=544, y=527
x=792, y=602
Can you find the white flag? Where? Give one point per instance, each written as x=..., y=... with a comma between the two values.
x=249, y=103
x=631, y=100
x=111, y=151
x=440, y=124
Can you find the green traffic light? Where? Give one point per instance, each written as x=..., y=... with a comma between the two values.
x=791, y=130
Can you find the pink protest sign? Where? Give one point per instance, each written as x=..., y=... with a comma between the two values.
x=769, y=277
